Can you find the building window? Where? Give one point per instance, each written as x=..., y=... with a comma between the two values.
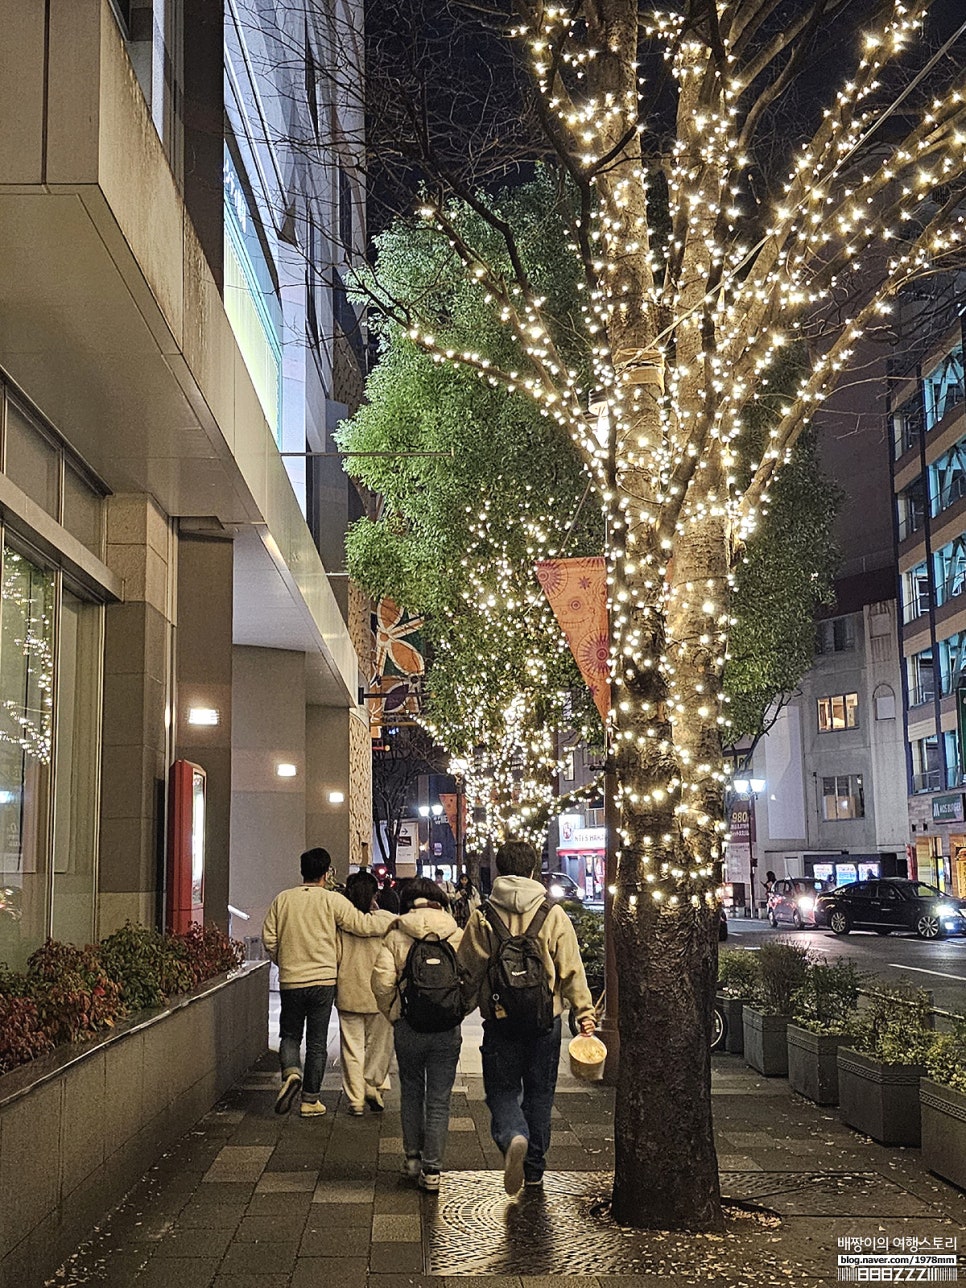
x=944, y=386
x=950, y=570
x=906, y=423
x=912, y=509
x=567, y=766
x=50, y=649
x=842, y=797
x=345, y=212
x=922, y=678
x=836, y=635
x=926, y=765
x=838, y=712
x=915, y=592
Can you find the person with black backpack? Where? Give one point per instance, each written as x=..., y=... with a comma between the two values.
x=520, y=963
x=417, y=987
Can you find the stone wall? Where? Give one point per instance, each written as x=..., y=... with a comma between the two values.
x=78, y=1127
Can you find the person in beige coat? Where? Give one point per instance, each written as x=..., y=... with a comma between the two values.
x=365, y=1033
x=300, y=935
x=427, y=1060
x=520, y=1069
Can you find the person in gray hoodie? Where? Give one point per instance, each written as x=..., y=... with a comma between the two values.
x=520, y=1068
x=427, y=1061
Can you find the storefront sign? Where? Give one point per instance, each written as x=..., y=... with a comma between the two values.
x=948, y=809
x=581, y=840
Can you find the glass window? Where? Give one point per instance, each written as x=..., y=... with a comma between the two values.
x=32, y=459
x=836, y=635
x=843, y=797
x=838, y=712
x=26, y=729
x=915, y=592
x=75, y=775
x=943, y=386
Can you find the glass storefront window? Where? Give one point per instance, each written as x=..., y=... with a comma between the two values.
x=26, y=730
x=75, y=773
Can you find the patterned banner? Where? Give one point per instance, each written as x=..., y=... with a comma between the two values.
x=395, y=687
x=448, y=802
x=576, y=590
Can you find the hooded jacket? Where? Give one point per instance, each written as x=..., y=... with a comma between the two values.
x=421, y=921
x=353, y=990
x=517, y=900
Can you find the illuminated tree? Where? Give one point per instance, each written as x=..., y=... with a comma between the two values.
x=722, y=212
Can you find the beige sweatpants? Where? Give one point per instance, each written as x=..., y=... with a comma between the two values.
x=366, y=1043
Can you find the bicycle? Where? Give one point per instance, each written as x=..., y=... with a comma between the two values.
x=719, y=1021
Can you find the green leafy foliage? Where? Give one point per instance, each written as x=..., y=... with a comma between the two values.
x=827, y=1001
x=783, y=968
x=738, y=972
x=589, y=925
x=69, y=993
x=946, y=1059
x=896, y=1025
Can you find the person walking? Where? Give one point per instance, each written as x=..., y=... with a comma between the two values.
x=365, y=1033
x=444, y=883
x=466, y=900
x=300, y=936
x=520, y=963
x=416, y=984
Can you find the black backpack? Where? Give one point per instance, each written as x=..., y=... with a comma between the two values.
x=430, y=986
x=519, y=987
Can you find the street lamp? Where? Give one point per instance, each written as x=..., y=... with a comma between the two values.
x=749, y=788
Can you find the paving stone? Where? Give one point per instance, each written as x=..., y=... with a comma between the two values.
x=340, y=1191
x=330, y=1272
x=221, y=1192
x=413, y=1280
x=395, y=1228
x=236, y=1280
x=239, y=1163
x=395, y=1258
x=274, y=1258
x=201, y=1241
x=269, y=1204
x=176, y=1272
x=331, y=1241
x=286, y=1182
x=338, y=1215
x=278, y=1227
x=214, y=1216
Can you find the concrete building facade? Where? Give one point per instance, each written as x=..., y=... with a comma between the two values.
x=163, y=592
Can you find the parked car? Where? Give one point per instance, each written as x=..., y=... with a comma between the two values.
x=892, y=903
x=560, y=886
x=792, y=899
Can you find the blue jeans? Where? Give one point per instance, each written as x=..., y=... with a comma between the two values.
x=520, y=1078
x=427, y=1070
x=309, y=1009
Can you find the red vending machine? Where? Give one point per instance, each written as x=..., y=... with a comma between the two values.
x=186, y=846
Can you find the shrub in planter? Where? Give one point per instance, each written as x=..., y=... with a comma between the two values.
x=879, y=1071
x=21, y=1036
x=824, y=1011
x=942, y=1099
x=783, y=967
x=737, y=982
x=68, y=993
x=589, y=927
x=148, y=966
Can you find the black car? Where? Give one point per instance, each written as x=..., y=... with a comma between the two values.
x=891, y=903
x=560, y=886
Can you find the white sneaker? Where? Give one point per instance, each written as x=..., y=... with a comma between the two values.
x=356, y=1111
x=412, y=1165
x=513, y=1164
x=428, y=1181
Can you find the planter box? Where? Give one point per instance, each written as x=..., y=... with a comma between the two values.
x=943, y=1131
x=813, y=1064
x=766, y=1046
x=879, y=1100
x=80, y=1125
x=732, y=1008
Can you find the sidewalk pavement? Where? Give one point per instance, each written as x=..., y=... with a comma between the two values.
x=252, y=1200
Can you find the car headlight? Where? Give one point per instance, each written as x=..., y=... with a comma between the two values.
x=557, y=891
x=946, y=910
x=806, y=904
